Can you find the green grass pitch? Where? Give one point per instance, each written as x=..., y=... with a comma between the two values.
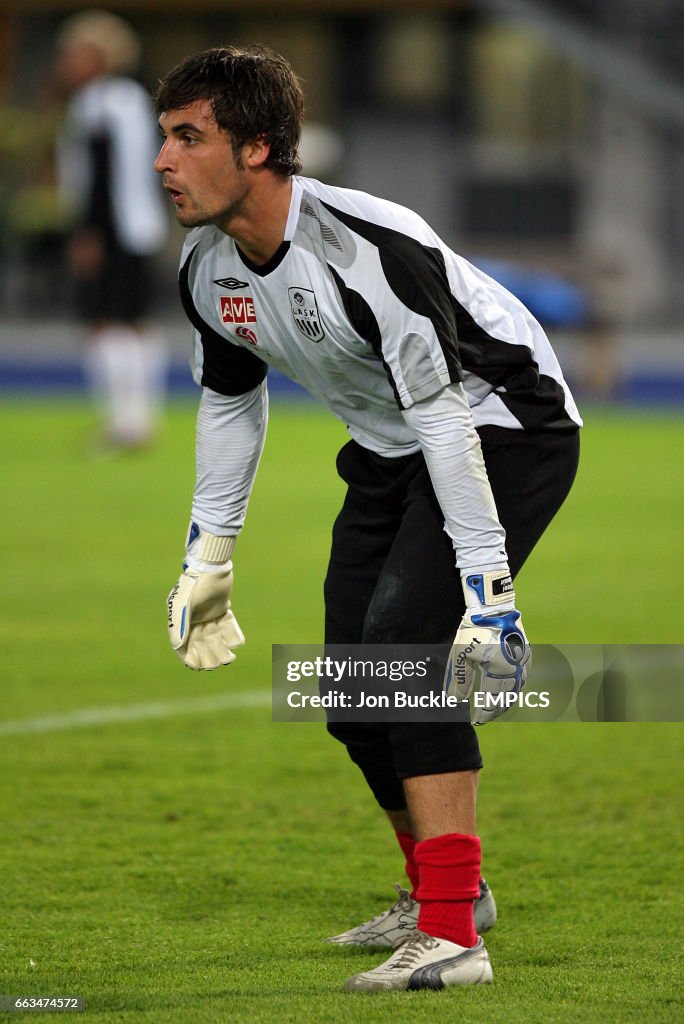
x=185, y=868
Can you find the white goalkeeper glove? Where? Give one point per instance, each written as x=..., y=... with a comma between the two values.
x=490, y=647
x=202, y=628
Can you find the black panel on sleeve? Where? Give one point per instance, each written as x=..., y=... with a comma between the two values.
x=535, y=399
x=227, y=369
x=417, y=275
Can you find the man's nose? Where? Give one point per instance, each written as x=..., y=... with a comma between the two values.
x=163, y=161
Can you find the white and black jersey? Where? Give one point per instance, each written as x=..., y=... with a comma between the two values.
x=366, y=308
x=403, y=340
x=110, y=190
x=105, y=156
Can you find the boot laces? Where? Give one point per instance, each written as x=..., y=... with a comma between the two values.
x=404, y=902
x=412, y=950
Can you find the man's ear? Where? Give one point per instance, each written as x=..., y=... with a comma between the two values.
x=255, y=153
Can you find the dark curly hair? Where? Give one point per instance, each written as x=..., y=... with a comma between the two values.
x=253, y=92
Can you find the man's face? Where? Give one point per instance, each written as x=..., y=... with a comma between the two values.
x=77, y=64
x=198, y=167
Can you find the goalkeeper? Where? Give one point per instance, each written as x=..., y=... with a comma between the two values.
x=463, y=445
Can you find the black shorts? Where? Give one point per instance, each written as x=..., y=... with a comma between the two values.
x=119, y=292
x=392, y=577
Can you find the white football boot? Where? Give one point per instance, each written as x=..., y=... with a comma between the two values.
x=389, y=929
x=425, y=962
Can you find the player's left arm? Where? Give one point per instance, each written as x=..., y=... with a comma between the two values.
x=491, y=640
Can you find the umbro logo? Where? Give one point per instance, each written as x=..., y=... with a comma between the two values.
x=231, y=282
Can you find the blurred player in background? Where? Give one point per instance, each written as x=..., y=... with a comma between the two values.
x=430, y=363
x=119, y=220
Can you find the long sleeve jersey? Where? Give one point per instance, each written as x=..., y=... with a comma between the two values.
x=403, y=340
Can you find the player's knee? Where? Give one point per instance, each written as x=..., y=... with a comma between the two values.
x=388, y=617
x=397, y=616
x=434, y=748
x=369, y=749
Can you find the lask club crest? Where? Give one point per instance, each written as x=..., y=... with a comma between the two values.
x=305, y=313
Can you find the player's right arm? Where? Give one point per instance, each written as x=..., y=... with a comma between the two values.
x=231, y=430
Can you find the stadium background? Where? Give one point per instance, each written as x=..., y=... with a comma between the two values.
x=167, y=851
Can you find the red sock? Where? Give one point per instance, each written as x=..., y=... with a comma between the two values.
x=449, y=873
x=407, y=843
